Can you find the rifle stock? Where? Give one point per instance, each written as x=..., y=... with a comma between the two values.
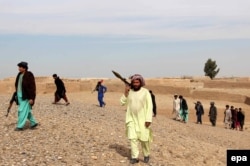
x=12, y=100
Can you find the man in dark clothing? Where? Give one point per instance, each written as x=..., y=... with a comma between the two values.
x=212, y=114
x=60, y=90
x=241, y=118
x=153, y=102
x=199, y=111
x=234, y=118
x=183, y=109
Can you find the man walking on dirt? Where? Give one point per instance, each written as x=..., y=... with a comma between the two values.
x=60, y=90
x=101, y=89
x=138, y=117
x=228, y=117
x=199, y=112
x=26, y=93
x=176, y=108
x=183, y=109
x=212, y=114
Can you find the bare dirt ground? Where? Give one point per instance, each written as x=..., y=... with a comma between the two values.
x=85, y=134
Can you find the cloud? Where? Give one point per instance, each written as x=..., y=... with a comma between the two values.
x=154, y=20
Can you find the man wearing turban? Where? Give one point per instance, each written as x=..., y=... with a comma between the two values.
x=138, y=117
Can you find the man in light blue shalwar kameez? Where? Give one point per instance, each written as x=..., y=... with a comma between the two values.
x=26, y=93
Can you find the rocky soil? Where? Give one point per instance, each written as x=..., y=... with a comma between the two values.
x=83, y=134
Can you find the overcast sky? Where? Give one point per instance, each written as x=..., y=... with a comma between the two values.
x=160, y=38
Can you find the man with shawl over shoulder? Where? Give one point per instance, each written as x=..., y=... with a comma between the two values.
x=138, y=117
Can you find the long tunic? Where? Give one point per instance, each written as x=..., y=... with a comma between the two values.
x=139, y=111
x=24, y=109
x=60, y=88
x=213, y=113
x=228, y=116
x=199, y=109
x=184, y=110
x=176, y=105
x=176, y=109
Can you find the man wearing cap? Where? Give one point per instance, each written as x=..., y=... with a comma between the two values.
x=228, y=117
x=212, y=114
x=26, y=93
x=138, y=117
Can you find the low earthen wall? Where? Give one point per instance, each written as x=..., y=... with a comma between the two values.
x=209, y=90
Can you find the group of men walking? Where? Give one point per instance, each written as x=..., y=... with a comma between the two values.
x=25, y=94
x=233, y=117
